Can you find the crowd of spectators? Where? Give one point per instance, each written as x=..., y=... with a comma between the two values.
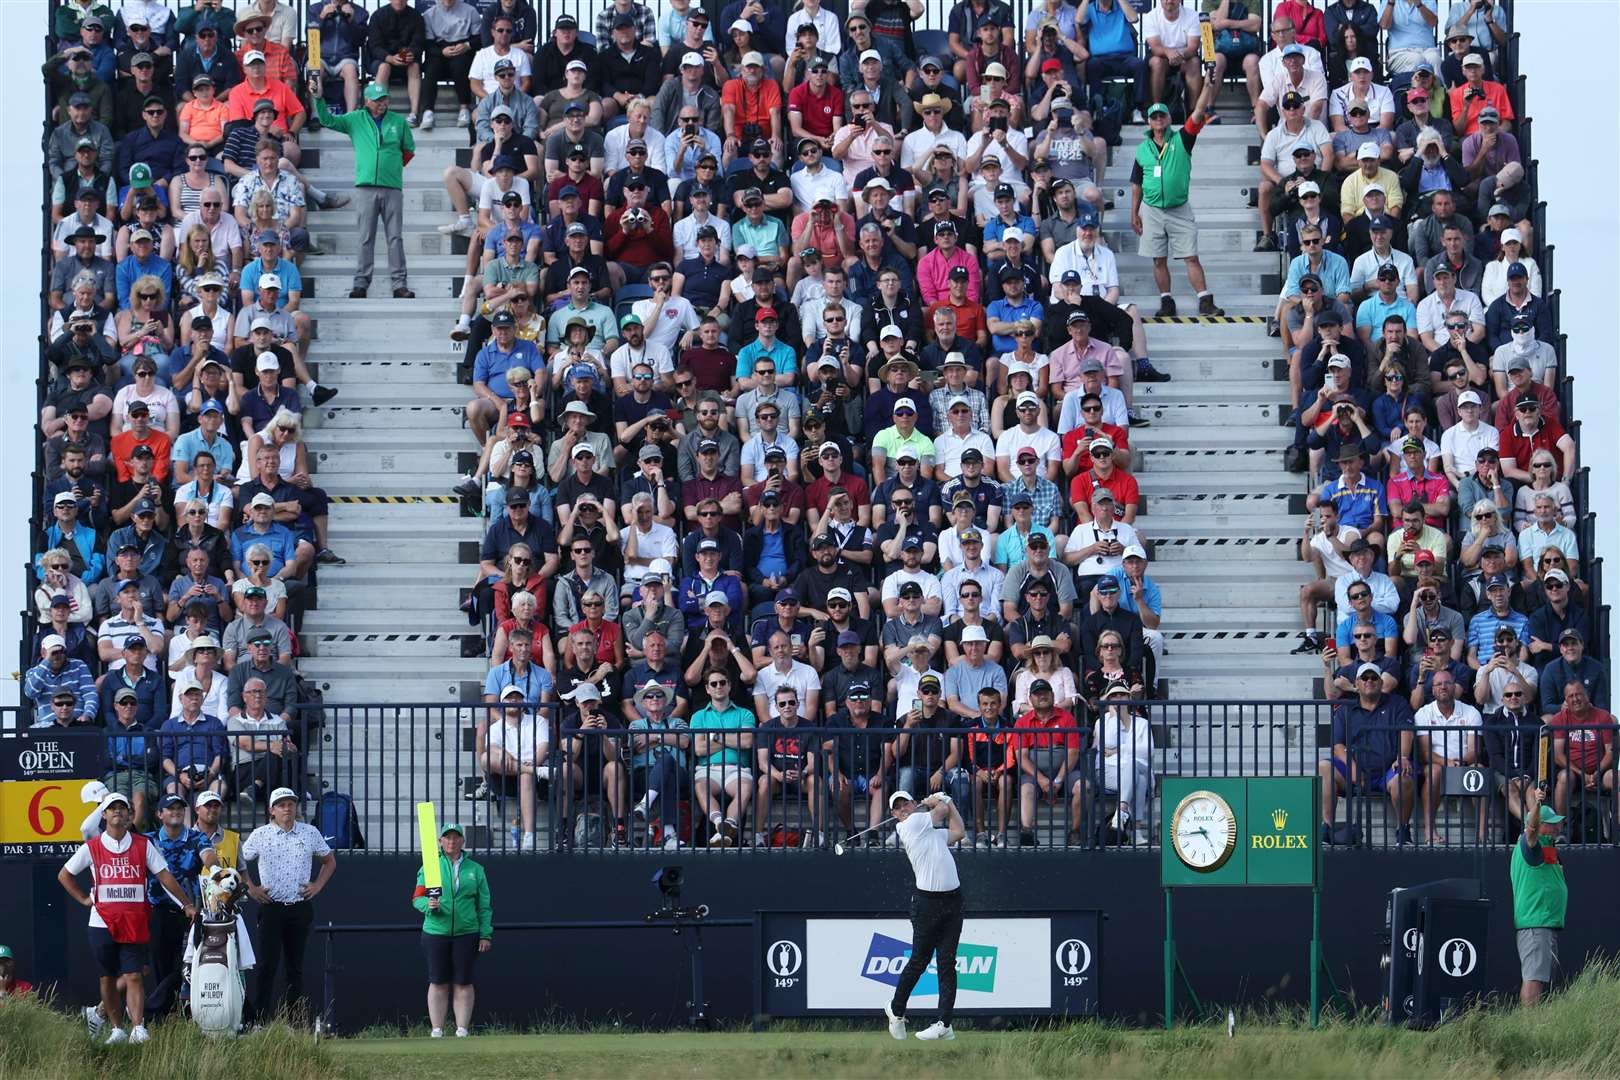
x=182, y=526
x=802, y=390
x=1421, y=362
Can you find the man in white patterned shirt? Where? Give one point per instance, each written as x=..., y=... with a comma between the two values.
x=282, y=853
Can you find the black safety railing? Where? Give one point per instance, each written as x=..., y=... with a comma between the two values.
x=525, y=780
x=1427, y=786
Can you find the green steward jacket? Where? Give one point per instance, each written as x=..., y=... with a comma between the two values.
x=381, y=147
x=464, y=907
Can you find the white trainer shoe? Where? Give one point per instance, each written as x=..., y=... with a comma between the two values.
x=93, y=1020
x=460, y=225
x=139, y=1034
x=427, y=120
x=116, y=1035
x=436, y=1033
x=462, y=1033
x=937, y=1032
x=897, y=1024
x=463, y=117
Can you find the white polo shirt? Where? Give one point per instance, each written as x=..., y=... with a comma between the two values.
x=929, y=852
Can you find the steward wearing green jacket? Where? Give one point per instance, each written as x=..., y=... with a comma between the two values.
x=457, y=925
x=383, y=146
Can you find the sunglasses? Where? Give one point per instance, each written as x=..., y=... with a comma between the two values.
x=1542, y=465
x=719, y=684
x=1362, y=637
x=592, y=603
x=1361, y=596
x=1109, y=645
x=199, y=157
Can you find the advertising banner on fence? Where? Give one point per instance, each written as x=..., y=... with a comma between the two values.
x=819, y=965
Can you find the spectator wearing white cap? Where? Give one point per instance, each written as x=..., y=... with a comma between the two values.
x=57, y=672
x=1461, y=443
x=1360, y=87
x=1029, y=432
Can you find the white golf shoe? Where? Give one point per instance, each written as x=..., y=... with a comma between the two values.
x=937, y=1032
x=897, y=1024
x=116, y=1035
x=139, y=1034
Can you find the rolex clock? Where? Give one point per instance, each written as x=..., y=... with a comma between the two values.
x=1203, y=831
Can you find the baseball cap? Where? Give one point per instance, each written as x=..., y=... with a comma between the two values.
x=282, y=793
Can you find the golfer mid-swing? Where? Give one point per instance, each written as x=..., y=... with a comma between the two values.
x=926, y=829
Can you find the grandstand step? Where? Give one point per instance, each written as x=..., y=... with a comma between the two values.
x=1211, y=550
x=396, y=410
x=379, y=451
x=428, y=364
x=397, y=548
x=362, y=615
x=1195, y=461
x=1207, y=436
x=1211, y=393
x=397, y=646
x=1259, y=481
x=1223, y=281
x=383, y=487
x=344, y=595
x=1237, y=414
x=421, y=264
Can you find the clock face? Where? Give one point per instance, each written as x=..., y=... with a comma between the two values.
x=1203, y=831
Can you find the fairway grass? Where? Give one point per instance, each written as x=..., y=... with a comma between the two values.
x=1572, y=1036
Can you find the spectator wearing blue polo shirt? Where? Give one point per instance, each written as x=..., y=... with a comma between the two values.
x=766, y=344
x=1327, y=267
x=289, y=556
x=205, y=436
x=503, y=352
x=519, y=670
x=269, y=261
x=1386, y=301
x=1015, y=305
x=1112, y=44
x=1497, y=612
x=1359, y=498
x=1140, y=595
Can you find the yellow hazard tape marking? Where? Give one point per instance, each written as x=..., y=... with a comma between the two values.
x=1215, y=319
x=394, y=499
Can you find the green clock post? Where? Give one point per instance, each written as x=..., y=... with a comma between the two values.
x=1238, y=831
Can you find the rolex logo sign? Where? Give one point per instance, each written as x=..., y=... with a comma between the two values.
x=1281, y=840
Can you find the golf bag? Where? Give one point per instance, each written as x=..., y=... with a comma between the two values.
x=216, y=976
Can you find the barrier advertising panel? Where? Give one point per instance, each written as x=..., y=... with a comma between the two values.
x=810, y=964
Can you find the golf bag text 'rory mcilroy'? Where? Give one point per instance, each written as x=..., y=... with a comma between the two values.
x=216, y=977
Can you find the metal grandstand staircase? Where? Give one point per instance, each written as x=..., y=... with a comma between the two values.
x=1223, y=515
x=387, y=628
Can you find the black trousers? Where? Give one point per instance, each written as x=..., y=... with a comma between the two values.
x=168, y=925
x=936, y=927
x=438, y=68
x=283, y=935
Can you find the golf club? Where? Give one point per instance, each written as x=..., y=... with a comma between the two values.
x=838, y=848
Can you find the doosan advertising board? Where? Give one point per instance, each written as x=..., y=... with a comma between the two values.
x=814, y=964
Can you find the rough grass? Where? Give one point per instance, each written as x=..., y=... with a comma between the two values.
x=1571, y=1036
x=40, y=1042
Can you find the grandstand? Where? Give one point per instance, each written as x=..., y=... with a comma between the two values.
x=1234, y=423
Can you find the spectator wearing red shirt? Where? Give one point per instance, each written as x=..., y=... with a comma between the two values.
x=1105, y=473
x=278, y=62
x=638, y=235
x=831, y=460
x=1418, y=484
x=1048, y=764
x=1529, y=432
x=140, y=433
x=1077, y=441
x=816, y=106
x=708, y=362
x=751, y=108
x=609, y=635
x=1309, y=26
x=1584, y=749
x=1475, y=96
x=971, y=320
